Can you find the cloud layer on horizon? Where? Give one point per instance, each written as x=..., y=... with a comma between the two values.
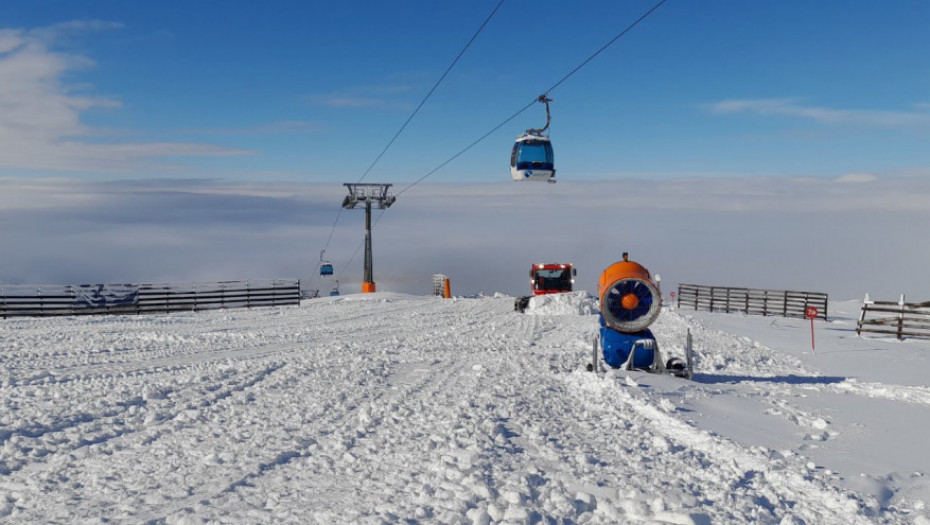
x=792, y=107
x=823, y=235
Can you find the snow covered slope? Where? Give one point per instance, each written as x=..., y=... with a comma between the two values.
x=389, y=408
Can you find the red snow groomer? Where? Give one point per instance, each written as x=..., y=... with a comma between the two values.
x=548, y=278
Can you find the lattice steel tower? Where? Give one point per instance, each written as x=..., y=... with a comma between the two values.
x=368, y=193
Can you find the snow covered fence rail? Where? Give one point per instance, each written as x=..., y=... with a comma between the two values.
x=783, y=303
x=52, y=300
x=906, y=319
x=34, y=300
x=227, y=294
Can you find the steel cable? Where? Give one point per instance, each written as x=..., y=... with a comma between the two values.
x=557, y=84
x=501, y=124
x=415, y=111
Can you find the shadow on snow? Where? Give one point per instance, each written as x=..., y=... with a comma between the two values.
x=788, y=379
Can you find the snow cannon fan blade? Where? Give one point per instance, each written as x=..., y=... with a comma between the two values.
x=630, y=301
x=631, y=305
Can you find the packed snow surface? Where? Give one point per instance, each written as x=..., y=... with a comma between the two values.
x=390, y=408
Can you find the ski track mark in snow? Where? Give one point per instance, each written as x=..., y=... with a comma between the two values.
x=909, y=394
x=760, y=475
x=385, y=409
x=67, y=437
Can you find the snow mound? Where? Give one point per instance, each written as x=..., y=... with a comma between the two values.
x=572, y=303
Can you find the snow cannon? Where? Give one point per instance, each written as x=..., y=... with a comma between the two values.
x=629, y=303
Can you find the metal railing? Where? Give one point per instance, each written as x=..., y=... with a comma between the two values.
x=51, y=300
x=784, y=303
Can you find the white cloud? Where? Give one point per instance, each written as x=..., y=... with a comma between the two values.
x=360, y=102
x=40, y=117
x=9, y=40
x=790, y=107
x=56, y=32
x=856, y=178
x=348, y=102
x=373, y=96
x=284, y=126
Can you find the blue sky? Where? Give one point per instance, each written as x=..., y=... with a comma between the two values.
x=312, y=91
x=772, y=144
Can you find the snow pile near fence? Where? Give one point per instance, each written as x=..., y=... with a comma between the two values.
x=573, y=303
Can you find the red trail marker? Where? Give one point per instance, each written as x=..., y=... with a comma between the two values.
x=811, y=313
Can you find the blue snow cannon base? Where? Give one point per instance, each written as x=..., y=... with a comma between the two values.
x=616, y=347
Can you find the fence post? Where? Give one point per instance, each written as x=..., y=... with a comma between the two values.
x=784, y=312
x=866, y=301
x=901, y=318
x=689, y=352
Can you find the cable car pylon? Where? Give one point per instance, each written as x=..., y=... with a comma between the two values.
x=368, y=193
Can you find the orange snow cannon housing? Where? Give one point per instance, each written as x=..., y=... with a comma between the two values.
x=629, y=300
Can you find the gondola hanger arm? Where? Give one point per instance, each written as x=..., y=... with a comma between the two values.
x=545, y=100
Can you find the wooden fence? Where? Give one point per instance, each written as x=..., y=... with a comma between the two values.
x=782, y=303
x=900, y=319
x=49, y=300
